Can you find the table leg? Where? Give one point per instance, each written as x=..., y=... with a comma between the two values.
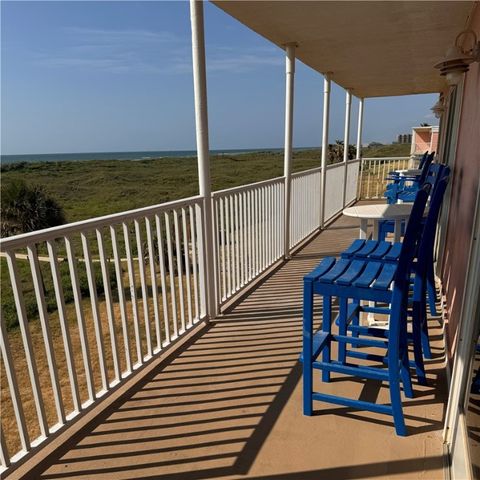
x=375, y=229
x=363, y=228
x=397, y=232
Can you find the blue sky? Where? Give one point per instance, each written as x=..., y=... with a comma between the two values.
x=116, y=76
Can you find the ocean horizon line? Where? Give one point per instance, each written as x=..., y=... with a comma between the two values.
x=127, y=155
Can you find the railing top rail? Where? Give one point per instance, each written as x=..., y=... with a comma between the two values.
x=306, y=172
x=335, y=165
x=250, y=186
x=369, y=159
x=25, y=239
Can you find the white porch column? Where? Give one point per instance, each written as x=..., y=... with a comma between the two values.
x=359, y=129
x=326, y=119
x=289, y=93
x=348, y=108
x=359, y=144
x=201, y=121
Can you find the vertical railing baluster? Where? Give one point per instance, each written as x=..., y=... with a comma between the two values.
x=269, y=224
x=82, y=331
x=171, y=272
x=367, y=196
x=27, y=342
x=121, y=298
x=257, y=232
x=108, y=305
x=216, y=255
x=187, y=268
x=13, y=386
x=240, y=234
x=232, y=245
x=46, y=333
x=222, y=249
x=163, y=277
x=237, y=241
x=67, y=342
x=279, y=220
x=227, y=246
x=202, y=272
x=4, y=455
x=194, y=259
x=133, y=292
x=250, y=234
x=153, y=279
x=95, y=311
x=178, y=249
x=245, y=238
x=143, y=285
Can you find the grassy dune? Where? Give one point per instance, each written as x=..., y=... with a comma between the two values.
x=91, y=188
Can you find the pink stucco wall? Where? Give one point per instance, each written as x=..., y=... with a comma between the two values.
x=434, y=142
x=422, y=141
x=465, y=182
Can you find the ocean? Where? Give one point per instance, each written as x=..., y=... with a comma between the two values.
x=147, y=155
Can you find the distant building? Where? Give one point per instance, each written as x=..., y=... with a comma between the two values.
x=404, y=138
x=424, y=139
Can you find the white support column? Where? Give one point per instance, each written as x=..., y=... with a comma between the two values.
x=289, y=93
x=359, y=129
x=204, y=182
x=359, y=144
x=326, y=119
x=348, y=108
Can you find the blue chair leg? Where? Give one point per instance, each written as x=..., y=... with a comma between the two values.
x=342, y=328
x=396, y=402
x=326, y=327
x=427, y=352
x=307, y=348
x=432, y=292
x=356, y=322
x=405, y=369
x=417, y=345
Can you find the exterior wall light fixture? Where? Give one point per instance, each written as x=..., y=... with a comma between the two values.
x=457, y=59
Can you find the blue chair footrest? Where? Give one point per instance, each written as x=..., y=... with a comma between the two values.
x=350, y=402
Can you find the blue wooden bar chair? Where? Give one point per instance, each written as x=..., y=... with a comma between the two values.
x=387, y=252
x=398, y=190
x=394, y=175
x=353, y=281
x=436, y=172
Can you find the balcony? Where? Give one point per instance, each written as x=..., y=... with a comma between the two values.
x=127, y=381
x=164, y=342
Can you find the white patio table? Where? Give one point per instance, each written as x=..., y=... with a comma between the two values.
x=377, y=212
x=409, y=172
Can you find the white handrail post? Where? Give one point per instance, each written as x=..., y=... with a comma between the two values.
x=359, y=144
x=289, y=92
x=326, y=120
x=348, y=107
x=204, y=181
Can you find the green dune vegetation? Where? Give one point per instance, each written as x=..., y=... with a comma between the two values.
x=89, y=189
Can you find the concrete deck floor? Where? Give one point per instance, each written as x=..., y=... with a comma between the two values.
x=228, y=405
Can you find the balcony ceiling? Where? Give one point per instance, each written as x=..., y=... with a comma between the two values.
x=374, y=48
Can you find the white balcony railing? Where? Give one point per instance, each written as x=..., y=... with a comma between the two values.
x=89, y=346
x=374, y=173
x=112, y=292
x=305, y=206
x=249, y=224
